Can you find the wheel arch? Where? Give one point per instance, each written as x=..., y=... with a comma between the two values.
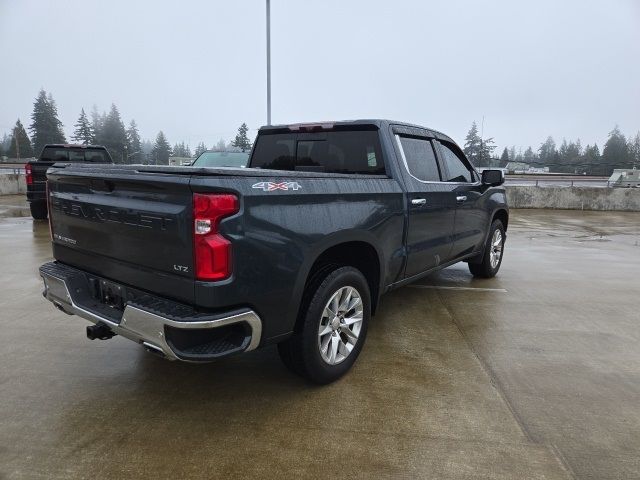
x=353, y=250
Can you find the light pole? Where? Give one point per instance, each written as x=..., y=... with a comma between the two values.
x=268, y=62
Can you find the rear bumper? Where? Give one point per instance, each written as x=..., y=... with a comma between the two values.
x=162, y=326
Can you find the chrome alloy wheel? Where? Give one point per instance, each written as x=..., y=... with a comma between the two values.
x=495, y=254
x=340, y=325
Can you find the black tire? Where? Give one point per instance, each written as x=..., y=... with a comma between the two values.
x=38, y=210
x=484, y=268
x=301, y=352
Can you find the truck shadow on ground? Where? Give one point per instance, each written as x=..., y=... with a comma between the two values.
x=414, y=358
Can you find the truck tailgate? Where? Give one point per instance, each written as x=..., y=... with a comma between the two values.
x=129, y=226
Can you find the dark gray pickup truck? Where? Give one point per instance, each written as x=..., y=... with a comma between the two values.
x=199, y=263
x=36, y=171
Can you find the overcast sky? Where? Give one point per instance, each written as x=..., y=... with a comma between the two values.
x=196, y=69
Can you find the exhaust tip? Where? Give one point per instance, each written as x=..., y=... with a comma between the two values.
x=149, y=347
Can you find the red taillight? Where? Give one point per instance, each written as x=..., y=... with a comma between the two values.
x=211, y=251
x=28, y=174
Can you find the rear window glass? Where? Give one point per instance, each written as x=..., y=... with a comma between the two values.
x=329, y=152
x=53, y=154
x=222, y=159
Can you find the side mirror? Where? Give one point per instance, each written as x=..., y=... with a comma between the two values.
x=492, y=178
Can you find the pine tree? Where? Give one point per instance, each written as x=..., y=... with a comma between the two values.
x=221, y=146
x=473, y=145
x=529, y=157
x=83, y=132
x=45, y=126
x=199, y=149
x=161, y=150
x=615, y=153
x=96, y=123
x=20, y=146
x=504, y=158
x=634, y=150
x=242, y=141
x=592, y=160
x=113, y=135
x=486, y=150
x=134, y=146
x=181, y=150
x=5, y=144
x=547, y=153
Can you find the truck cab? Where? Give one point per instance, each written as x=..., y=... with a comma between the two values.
x=36, y=170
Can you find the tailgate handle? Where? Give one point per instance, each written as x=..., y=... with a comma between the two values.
x=461, y=199
x=419, y=201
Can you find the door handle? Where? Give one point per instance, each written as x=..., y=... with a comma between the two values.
x=461, y=199
x=419, y=201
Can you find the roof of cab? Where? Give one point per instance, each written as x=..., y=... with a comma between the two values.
x=73, y=145
x=329, y=124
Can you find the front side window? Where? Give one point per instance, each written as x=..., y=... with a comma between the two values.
x=350, y=152
x=420, y=158
x=458, y=171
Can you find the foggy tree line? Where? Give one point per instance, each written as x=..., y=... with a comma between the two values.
x=106, y=128
x=568, y=157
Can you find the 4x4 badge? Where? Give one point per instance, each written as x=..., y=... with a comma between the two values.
x=272, y=186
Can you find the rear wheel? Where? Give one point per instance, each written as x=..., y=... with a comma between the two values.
x=492, y=258
x=38, y=210
x=333, y=326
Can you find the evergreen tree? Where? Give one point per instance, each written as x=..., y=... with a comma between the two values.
x=547, y=153
x=486, y=151
x=181, y=150
x=221, y=146
x=512, y=154
x=473, y=145
x=83, y=132
x=592, y=160
x=113, y=135
x=161, y=150
x=97, y=120
x=242, y=140
x=134, y=146
x=45, y=126
x=504, y=158
x=20, y=146
x=529, y=157
x=634, y=150
x=615, y=153
x=5, y=144
x=199, y=149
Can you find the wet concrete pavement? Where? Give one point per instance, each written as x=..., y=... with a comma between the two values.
x=533, y=374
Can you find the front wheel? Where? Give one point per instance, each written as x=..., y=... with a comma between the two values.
x=492, y=257
x=333, y=326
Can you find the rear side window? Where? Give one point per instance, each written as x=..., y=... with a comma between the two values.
x=458, y=171
x=330, y=152
x=420, y=158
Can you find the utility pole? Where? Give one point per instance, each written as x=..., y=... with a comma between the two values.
x=15, y=137
x=268, y=62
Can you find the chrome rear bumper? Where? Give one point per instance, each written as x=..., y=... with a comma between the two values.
x=145, y=327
